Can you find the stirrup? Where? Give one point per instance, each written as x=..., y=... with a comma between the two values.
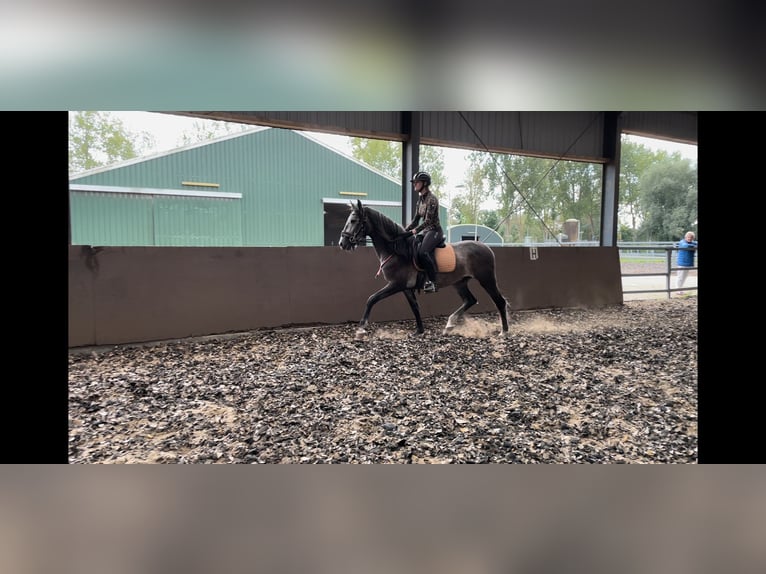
x=430, y=287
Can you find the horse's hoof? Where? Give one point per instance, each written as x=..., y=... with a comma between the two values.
x=417, y=334
x=448, y=329
x=360, y=334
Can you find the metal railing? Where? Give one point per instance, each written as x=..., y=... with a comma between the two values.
x=655, y=251
x=659, y=252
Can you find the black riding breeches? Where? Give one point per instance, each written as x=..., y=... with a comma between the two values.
x=431, y=239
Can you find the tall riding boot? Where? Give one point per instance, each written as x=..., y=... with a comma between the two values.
x=430, y=285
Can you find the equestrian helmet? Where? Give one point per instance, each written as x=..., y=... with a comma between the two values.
x=421, y=176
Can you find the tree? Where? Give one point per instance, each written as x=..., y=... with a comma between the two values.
x=98, y=138
x=205, y=130
x=474, y=192
x=432, y=161
x=461, y=210
x=669, y=199
x=635, y=159
x=386, y=157
x=537, y=195
x=626, y=233
x=490, y=218
x=576, y=194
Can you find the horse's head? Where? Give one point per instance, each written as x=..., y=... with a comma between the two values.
x=354, y=232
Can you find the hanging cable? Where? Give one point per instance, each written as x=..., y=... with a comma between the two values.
x=508, y=178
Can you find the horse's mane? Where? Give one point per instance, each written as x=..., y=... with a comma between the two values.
x=389, y=228
x=391, y=231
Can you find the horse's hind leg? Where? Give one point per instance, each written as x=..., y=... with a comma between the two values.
x=490, y=286
x=468, y=301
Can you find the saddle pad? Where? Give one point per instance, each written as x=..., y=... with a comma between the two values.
x=445, y=258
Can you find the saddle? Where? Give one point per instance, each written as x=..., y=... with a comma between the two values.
x=444, y=257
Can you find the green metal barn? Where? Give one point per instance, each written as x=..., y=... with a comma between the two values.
x=257, y=188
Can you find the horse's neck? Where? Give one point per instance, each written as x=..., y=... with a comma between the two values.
x=382, y=247
x=386, y=246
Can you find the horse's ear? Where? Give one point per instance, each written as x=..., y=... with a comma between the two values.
x=359, y=205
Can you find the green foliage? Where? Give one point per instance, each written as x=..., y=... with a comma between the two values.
x=202, y=131
x=668, y=199
x=489, y=217
x=474, y=193
x=432, y=161
x=657, y=200
x=635, y=159
x=626, y=233
x=386, y=157
x=576, y=194
x=658, y=194
x=98, y=138
x=462, y=211
x=536, y=195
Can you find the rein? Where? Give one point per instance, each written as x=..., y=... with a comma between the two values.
x=382, y=263
x=359, y=237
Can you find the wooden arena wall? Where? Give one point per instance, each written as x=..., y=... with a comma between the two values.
x=123, y=295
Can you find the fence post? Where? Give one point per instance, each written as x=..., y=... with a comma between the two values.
x=669, y=254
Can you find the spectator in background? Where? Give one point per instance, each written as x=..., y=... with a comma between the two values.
x=686, y=249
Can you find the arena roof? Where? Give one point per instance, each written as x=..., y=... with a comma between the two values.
x=575, y=135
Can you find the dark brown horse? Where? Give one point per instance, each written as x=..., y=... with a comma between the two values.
x=395, y=248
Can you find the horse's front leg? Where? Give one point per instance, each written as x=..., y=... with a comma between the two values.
x=410, y=294
x=387, y=291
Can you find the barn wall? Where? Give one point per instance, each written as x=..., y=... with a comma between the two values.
x=268, y=189
x=137, y=294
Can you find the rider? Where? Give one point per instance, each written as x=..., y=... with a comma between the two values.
x=430, y=229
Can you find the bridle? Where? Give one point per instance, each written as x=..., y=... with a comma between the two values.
x=359, y=235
